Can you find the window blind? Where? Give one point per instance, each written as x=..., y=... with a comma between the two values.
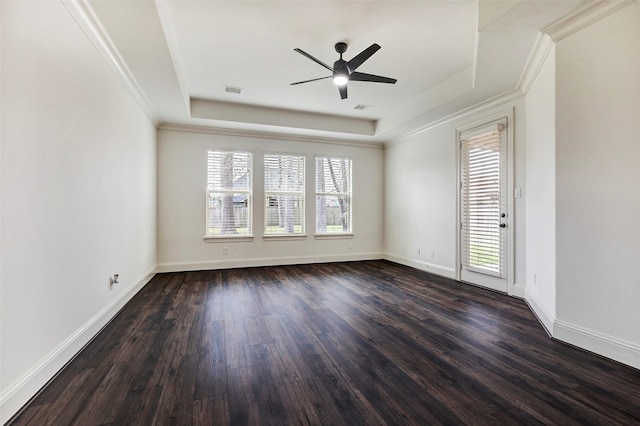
x=229, y=190
x=284, y=186
x=333, y=195
x=482, y=203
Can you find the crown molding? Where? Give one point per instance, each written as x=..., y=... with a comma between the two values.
x=539, y=54
x=255, y=134
x=583, y=17
x=560, y=29
x=89, y=23
x=509, y=96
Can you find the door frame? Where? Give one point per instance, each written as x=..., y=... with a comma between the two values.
x=511, y=222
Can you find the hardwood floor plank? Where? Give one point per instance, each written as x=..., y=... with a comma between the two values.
x=108, y=397
x=211, y=412
x=139, y=407
x=369, y=342
x=383, y=385
x=257, y=330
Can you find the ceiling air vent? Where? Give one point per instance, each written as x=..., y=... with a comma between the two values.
x=361, y=107
x=232, y=89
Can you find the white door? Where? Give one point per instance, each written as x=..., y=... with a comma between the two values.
x=483, y=206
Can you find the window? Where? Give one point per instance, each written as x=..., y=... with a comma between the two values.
x=229, y=188
x=284, y=194
x=333, y=195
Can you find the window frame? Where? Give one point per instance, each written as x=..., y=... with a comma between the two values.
x=248, y=236
x=274, y=236
x=349, y=196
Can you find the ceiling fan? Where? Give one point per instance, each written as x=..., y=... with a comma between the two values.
x=345, y=71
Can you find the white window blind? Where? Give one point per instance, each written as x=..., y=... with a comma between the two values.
x=229, y=190
x=284, y=186
x=333, y=195
x=482, y=201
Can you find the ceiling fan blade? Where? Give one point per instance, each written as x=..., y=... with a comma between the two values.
x=316, y=60
x=359, y=76
x=362, y=56
x=343, y=91
x=307, y=81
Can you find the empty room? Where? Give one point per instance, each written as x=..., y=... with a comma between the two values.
x=319, y=212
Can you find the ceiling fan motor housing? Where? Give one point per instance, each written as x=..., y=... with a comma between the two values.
x=340, y=67
x=341, y=47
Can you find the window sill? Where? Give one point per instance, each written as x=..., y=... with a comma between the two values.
x=336, y=236
x=228, y=239
x=283, y=237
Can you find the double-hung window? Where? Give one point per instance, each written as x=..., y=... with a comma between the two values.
x=229, y=193
x=333, y=195
x=284, y=185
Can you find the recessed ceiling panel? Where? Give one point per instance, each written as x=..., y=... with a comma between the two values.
x=250, y=45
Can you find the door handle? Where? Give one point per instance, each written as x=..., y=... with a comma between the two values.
x=503, y=225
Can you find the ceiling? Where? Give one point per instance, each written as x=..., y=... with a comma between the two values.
x=446, y=55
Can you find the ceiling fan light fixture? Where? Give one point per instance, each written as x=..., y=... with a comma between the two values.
x=343, y=71
x=340, y=79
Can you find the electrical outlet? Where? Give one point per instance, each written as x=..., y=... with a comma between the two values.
x=350, y=245
x=432, y=253
x=418, y=251
x=113, y=280
x=225, y=250
x=534, y=279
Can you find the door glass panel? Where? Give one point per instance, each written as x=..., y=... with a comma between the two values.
x=483, y=204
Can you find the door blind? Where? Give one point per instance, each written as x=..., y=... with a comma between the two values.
x=483, y=177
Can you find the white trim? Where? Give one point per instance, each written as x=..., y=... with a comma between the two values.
x=90, y=25
x=255, y=134
x=228, y=239
x=538, y=56
x=264, y=261
x=20, y=392
x=336, y=236
x=602, y=344
x=583, y=17
x=284, y=237
x=433, y=268
x=519, y=290
x=504, y=98
x=538, y=309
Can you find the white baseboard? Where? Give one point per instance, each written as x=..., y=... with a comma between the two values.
x=264, y=261
x=17, y=395
x=519, y=290
x=423, y=266
x=610, y=347
x=545, y=317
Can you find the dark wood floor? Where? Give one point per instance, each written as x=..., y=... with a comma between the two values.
x=347, y=343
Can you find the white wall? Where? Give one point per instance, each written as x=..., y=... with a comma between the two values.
x=182, y=158
x=420, y=194
x=598, y=190
x=420, y=200
x=78, y=179
x=540, y=181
